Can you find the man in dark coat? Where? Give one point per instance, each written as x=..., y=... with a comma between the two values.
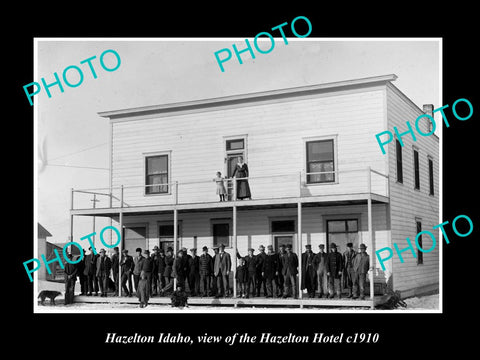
x=348, y=272
x=308, y=271
x=70, y=277
x=127, y=269
x=270, y=269
x=81, y=276
x=319, y=262
x=214, y=278
x=160, y=266
x=251, y=268
x=205, y=269
x=104, y=265
x=194, y=273
x=290, y=271
x=221, y=269
x=89, y=272
x=241, y=277
x=279, y=280
x=260, y=279
x=168, y=273
x=137, y=268
x=361, y=266
x=147, y=268
x=334, y=268
x=115, y=268
x=180, y=269
x=155, y=255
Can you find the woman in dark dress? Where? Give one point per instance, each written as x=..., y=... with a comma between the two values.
x=241, y=171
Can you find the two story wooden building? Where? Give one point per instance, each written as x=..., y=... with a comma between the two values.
x=316, y=174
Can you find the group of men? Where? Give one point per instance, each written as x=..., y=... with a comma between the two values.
x=208, y=275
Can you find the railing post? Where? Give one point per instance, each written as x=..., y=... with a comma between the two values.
x=176, y=192
x=122, y=244
x=299, y=251
x=175, y=247
x=235, y=251
x=369, y=180
x=71, y=198
x=300, y=184
x=234, y=189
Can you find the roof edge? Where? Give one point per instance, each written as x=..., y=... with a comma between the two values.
x=245, y=97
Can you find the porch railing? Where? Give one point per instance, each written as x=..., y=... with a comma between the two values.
x=278, y=186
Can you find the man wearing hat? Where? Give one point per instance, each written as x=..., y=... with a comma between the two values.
x=319, y=262
x=155, y=255
x=137, y=267
x=260, y=279
x=251, y=268
x=205, y=264
x=160, y=266
x=270, y=269
x=70, y=271
x=115, y=264
x=334, y=266
x=214, y=278
x=147, y=268
x=308, y=271
x=168, y=272
x=90, y=272
x=279, y=279
x=290, y=271
x=361, y=265
x=222, y=267
x=127, y=265
x=104, y=265
x=348, y=272
x=194, y=273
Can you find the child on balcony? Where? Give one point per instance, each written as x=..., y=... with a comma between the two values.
x=221, y=191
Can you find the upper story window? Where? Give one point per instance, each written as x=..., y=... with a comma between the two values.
x=320, y=161
x=398, y=151
x=416, y=169
x=430, y=175
x=156, y=174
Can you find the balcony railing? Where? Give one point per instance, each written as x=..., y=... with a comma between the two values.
x=278, y=186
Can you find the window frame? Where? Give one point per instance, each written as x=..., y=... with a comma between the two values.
x=169, y=173
x=334, y=139
x=399, y=161
x=419, y=240
x=416, y=168
x=218, y=221
x=283, y=233
x=431, y=176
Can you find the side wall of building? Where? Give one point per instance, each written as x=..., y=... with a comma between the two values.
x=409, y=205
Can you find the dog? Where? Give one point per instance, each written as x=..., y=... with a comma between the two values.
x=50, y=294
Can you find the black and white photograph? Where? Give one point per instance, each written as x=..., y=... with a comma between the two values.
x=202, y=183
x=232, y=188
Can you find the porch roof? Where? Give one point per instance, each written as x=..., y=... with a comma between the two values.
x=242, y=205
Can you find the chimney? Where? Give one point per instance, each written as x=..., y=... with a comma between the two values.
x=428, y=109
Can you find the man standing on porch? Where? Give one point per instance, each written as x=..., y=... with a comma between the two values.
x=222, y=267
x=319, y=262
x=260, y=278
x=137, y=268
x=334, y=267
x=308, y=271
x=290, y=271
x=361, y=265
x=279, y=280
x=348, y=273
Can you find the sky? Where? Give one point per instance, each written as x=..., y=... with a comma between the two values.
x=72, y=139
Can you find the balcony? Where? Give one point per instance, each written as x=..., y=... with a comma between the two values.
x=343, y=187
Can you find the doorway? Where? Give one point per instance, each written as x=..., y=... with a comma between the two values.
x=234, y=149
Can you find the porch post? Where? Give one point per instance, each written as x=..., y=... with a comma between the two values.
x=71, y=216
x=122, y=242
x=299, y=215
x=370, y=235
x=235, y=250
x=175, y=238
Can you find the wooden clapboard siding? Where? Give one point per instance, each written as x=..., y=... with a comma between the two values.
x=275, y=145
x=407, y=204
